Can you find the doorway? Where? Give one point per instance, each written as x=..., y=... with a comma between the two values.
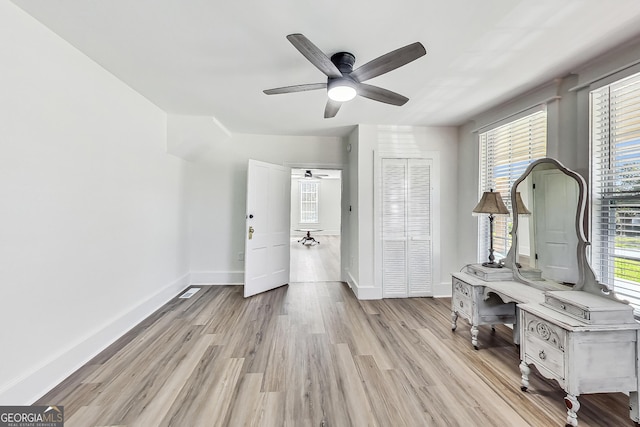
x=316, y=211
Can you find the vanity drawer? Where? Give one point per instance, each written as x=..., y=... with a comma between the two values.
x=461, y=288
x=590, y=308
x=544, y=344
x=566, y=307
x=545, y=356
x=462, y=305
x=461, y=300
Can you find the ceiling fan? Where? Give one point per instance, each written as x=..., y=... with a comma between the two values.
x=308, y=174
x=343, y=82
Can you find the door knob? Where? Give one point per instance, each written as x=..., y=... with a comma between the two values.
x=251, y=231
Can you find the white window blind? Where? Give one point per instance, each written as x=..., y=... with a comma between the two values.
x=615, y=183
x=308, y=202
x=505, y=153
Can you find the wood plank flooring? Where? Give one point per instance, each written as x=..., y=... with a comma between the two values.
x=316, y=263
x=313, y=355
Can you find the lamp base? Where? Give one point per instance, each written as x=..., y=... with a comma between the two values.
x=492, y=264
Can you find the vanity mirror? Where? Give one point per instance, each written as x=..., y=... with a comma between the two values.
x=548, y=248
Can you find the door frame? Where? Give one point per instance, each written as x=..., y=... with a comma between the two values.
x=344, y=249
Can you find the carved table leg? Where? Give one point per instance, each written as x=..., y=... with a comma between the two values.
x=474, y=336
x=525, y=371
x=573, y=406
x=454, y=320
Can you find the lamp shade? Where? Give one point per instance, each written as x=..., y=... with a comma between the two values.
x=491, y=203
x=521, y=209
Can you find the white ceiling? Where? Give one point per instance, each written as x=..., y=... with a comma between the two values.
x=214, y=58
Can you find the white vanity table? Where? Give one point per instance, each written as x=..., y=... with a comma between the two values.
x=579, y=335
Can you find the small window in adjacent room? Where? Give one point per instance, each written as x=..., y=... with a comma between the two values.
x=615, y=187
x=308, y=202
x=505, y=152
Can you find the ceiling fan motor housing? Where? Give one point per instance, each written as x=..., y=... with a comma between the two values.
x=343, y=61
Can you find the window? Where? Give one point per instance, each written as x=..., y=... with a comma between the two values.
x=505, y=153
x=615, y=184
x=308, y=202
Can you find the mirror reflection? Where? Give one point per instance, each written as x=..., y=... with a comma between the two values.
x=546, y=202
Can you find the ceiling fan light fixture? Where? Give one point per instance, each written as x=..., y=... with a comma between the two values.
x=341, y=90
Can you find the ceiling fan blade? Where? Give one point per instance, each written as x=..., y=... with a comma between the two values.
x=382, y=95
x=314, y=55
x=389, y=61
x=296, y=88
x=332, y=108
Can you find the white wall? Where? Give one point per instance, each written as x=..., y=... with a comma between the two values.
x=93, y=233
x=419, y=141
x=217, y=200
x=189, y=137
x=329, y=207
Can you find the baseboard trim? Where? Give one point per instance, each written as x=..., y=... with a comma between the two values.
x=216, y=278
x=442, y=290
x=363, y=292
x=29, y=388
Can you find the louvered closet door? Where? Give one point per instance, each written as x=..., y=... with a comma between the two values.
x=406, y=228
x=394, y=218
x=419, y=260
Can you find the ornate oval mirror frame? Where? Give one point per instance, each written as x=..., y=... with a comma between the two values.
x=586, y=280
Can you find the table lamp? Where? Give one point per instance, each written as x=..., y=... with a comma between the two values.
x=521, y=208
x=491, y=203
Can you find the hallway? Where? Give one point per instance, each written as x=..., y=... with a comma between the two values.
x=315, y=263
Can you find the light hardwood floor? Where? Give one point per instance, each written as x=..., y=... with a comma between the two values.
x=316, y=263
x=313, y=355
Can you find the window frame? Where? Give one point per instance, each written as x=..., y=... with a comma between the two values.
x=309, y=206
x=510, y=145
x=614, y=144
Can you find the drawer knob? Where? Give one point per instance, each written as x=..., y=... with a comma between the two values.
x=461, y=304
x=541, y=355
x=562, y=306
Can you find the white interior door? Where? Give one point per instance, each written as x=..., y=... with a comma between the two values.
x=555, y=205
x=266, y=261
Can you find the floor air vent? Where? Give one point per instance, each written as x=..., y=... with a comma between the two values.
x=191, y=292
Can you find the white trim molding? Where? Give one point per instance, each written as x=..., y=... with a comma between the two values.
x=363, y=292
x=216, y=278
